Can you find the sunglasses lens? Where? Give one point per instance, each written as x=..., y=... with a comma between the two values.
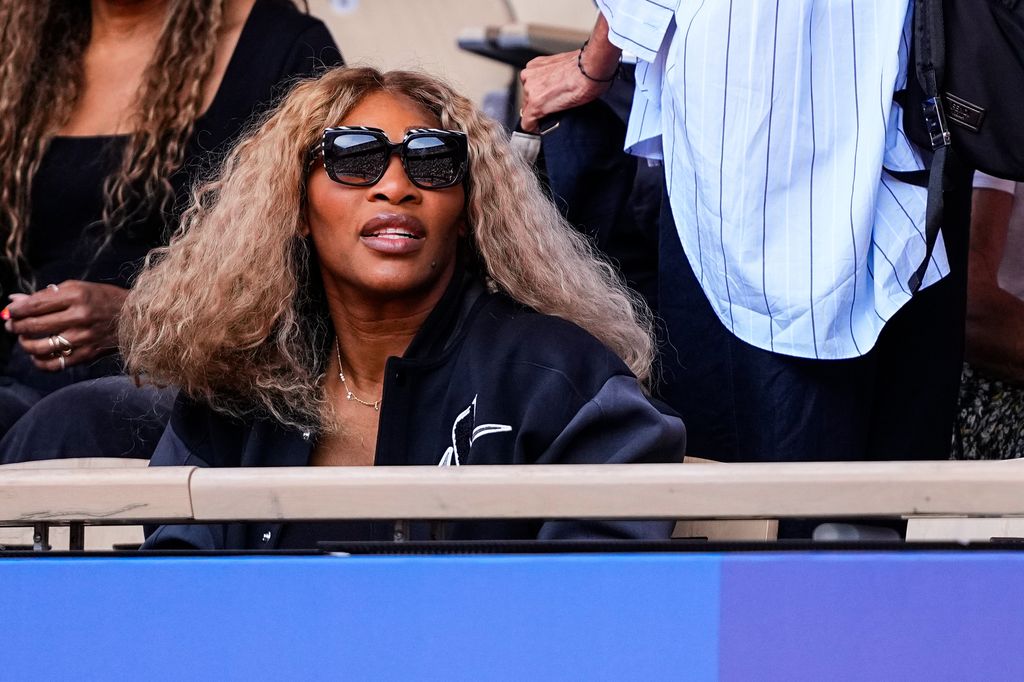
x=434, y=161
x=355, y=158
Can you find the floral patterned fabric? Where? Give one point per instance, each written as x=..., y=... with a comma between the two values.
x=990, y=424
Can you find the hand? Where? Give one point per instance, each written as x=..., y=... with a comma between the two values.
x=83, y=313
x=555, y=83
x=552, y=84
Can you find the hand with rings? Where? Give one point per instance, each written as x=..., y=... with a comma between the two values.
x=60, y=345
x=61, y=349
x=66, y=324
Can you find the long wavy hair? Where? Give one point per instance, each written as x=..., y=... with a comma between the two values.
x=229, y=310
x=43, y=43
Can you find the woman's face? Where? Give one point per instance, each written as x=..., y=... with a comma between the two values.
x=391, y=240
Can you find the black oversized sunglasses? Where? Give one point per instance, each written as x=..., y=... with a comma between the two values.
x=359, y=157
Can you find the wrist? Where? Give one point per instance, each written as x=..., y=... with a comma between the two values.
x=599, y=62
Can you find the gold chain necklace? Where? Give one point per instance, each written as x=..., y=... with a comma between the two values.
x=349, y=395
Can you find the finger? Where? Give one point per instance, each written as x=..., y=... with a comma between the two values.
x=5, y=314
x=528, y=123
x=53, y=364
x=50, y=364
x=47, y=325
x=42, y=348
x=41, y=303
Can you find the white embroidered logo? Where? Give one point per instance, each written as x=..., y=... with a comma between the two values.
x=464, y=434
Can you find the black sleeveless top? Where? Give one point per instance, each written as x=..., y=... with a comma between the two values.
x=277, y=45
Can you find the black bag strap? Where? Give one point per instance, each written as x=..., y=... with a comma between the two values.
x=930, y=38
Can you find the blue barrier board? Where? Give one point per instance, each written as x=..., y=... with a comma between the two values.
x=686, y=616
x=253, y=618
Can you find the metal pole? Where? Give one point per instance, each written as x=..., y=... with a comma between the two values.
x=76, y=537
x=41, y=537
x=401, y=533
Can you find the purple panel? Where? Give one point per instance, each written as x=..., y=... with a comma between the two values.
x=872, y=616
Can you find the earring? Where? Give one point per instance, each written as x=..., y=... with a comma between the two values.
x=433, y=264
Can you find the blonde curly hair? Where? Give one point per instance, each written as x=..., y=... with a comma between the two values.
x=229, y=311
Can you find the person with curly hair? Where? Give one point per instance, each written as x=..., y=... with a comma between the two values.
x=376, y=278
x=108, y=112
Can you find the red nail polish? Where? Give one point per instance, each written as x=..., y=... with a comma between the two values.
x=5, y=314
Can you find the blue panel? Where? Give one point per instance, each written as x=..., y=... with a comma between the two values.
x=527, y=617
x=900, y=616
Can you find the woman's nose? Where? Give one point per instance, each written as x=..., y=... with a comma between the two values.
x=395, y=186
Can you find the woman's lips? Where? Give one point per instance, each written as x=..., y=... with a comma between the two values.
x=393, y=234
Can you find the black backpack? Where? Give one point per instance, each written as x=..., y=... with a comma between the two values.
x=967, y=102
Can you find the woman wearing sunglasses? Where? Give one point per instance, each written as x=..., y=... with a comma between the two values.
x=376, y=279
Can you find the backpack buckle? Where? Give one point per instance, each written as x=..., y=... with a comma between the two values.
x=935, y=122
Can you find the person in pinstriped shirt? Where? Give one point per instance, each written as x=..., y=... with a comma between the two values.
x=786, y=247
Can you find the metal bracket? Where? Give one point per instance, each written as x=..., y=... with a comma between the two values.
x=935, y=122
x=41, y=537
x=76, y=537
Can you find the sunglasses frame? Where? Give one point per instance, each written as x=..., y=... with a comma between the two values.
x=320, y=149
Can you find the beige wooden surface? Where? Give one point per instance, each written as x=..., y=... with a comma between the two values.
x=94, y=495
x=729, y=530
x=597, y=491
x=626, y=491
x=96, y=537
x=959, y=529
x=79, y=463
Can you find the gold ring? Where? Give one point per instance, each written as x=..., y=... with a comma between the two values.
x=63, y=362
x=53, y=287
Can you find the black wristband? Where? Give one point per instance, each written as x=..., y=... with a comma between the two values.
x=579, y=65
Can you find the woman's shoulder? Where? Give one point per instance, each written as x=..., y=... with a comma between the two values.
x=287, y=18
x=278, y=44
x=200, y=431
x=280, y=23
x=510, y=332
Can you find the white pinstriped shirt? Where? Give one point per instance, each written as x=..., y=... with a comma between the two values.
x=774, y=119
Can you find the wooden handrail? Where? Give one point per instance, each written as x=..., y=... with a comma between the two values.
x=96, y=496
x=556, y=491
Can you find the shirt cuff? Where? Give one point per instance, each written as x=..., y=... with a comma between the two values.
x=983, y=181
x=637, y=26
x=527, y=145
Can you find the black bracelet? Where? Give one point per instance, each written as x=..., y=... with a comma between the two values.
x=579, y=64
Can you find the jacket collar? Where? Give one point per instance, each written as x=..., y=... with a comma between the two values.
x=447, y=319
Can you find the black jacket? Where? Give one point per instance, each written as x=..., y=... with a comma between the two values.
x=485, y=381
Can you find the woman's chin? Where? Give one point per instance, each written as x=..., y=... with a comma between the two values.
x=395, y=281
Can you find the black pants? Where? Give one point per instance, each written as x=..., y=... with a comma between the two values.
x=742, y=403
x=106, y=417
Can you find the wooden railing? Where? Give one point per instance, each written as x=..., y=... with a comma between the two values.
x=96, y=496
